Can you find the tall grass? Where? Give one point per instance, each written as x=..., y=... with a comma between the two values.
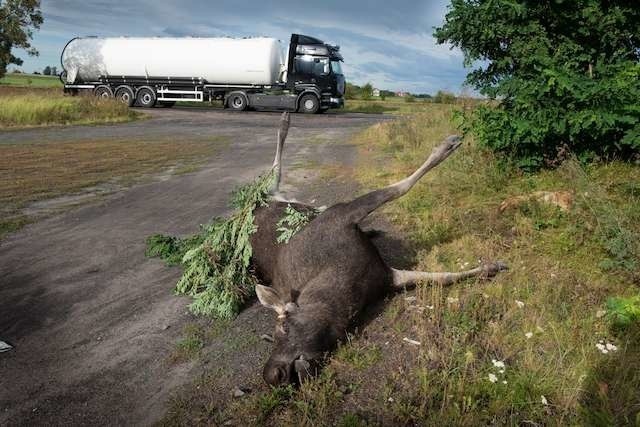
x=35, y=109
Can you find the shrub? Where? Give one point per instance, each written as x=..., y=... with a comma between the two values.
x=565, y=75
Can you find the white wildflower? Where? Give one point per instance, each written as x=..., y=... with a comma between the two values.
x=498, y=363
x=504, y=381
x=501, y=371
x=544, y=400
x=611, y=347
x=519, y=303
x=601, y=347
x=493, y=378
x=528, y=335
x=390, y=399
x=430, y=307
x=600, y=313
x=452, y=300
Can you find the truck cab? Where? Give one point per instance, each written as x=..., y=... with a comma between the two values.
x=314, y=68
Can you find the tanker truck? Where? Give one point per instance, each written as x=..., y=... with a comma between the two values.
x=242, y=73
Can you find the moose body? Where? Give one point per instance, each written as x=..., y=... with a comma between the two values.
x=328, y=272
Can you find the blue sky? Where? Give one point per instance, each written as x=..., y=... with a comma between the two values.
x=387, y=43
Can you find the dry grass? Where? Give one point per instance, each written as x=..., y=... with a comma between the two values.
x=39, y=171
x=26, y=108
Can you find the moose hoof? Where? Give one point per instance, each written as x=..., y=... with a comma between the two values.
x=494, y=268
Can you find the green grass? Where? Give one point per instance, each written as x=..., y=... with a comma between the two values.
x=31, y=80
x=49, y=108
x=190, y=345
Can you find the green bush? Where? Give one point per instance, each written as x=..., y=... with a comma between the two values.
x=565, y=76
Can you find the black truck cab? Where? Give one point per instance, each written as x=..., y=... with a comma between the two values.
x=314, y=68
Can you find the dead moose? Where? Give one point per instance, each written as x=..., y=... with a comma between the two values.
x=330, y=271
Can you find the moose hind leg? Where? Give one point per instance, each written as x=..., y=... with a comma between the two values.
x=359, y=208
x=404, y=278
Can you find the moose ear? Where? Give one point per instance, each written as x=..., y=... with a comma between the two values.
x=270, y=298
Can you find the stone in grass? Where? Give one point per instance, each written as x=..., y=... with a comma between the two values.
x=240, y=391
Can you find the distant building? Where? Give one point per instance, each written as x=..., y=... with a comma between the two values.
x=376, y=93
x=401, y=94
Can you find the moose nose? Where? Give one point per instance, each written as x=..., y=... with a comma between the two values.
x=277, y=375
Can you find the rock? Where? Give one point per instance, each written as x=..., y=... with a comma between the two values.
x=237, y=392
x=165, y=327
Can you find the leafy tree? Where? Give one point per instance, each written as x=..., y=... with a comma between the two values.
x=18, y=20
x=565, y=73
x=54, y=71
x=47, y=71
x=366, y=92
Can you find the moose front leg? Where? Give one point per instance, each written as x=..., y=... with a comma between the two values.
x=406, y=278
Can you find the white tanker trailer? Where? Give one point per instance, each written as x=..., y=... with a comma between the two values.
x=242, y=73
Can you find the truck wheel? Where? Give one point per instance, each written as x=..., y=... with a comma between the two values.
x=309, y=104
x=103, y=92
x=146, y=97
x=124, y=94
x=237, y=101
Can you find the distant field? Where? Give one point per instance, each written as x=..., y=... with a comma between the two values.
x=30, y=80
x=395, y=105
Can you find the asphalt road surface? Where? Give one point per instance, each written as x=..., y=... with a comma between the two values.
x=92, y=320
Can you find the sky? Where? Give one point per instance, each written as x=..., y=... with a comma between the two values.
x=387, y=43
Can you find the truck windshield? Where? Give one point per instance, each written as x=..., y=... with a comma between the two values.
x=336, y=67
x=315, y=66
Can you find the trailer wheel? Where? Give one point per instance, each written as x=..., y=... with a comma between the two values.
x=309, y=104
x=237, y=101
x=124, y=94
x=103, y=92
x=146, y=97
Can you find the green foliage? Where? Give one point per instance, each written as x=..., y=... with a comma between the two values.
x=623, y=312
x=291, y=223
x=216, y=261
x=566, y=75
x=409, y=98
x=18, y=19
x=171, y=249
x=366, y=92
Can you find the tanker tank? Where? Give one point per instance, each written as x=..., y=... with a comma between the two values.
x=250, y=61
